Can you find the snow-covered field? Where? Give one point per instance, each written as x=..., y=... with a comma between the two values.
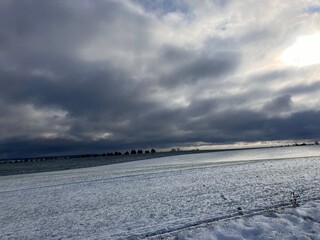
x=190, y=196
x=298, y=223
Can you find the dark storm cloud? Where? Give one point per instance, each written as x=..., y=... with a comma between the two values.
x=93, y=76
x=271, y=76
x=202, y=68
x=279, y=104
x=40, y=67
x=301, y=125
x=229, y=125
x=302, y=89
x=227, y=128
x=202, y=107
x=85, y=92
x=175, y=55
x=95, y=101
x=44, y=27
x=234, y=125
x=52, y=34
x=17, y=147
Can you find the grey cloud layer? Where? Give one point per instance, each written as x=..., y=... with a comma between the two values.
x=92, y=76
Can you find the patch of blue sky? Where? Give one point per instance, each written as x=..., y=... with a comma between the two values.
x=221, y=3
x=313, y=9
x=164, y=7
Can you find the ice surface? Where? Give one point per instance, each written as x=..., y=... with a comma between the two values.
x=152, y=197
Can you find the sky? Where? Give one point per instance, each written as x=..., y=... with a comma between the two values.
x=92, y=76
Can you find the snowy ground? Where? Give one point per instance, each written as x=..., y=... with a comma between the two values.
x=293, y=223
x=165, y=197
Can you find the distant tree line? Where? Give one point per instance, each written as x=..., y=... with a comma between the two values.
x=37, y=159
x=131, y=152
x=306, y=144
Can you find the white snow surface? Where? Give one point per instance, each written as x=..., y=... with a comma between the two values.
x=189, y=196
x=296, y=223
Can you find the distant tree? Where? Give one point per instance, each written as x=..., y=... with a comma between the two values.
x=147, y=152
x=133, y=151
x=103, y=154
x=140, y=152
x=173, y=150
x=316, y=143
x=153, y=151
x=126, y=153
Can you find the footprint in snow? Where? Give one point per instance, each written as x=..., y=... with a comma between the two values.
x=223, y=197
